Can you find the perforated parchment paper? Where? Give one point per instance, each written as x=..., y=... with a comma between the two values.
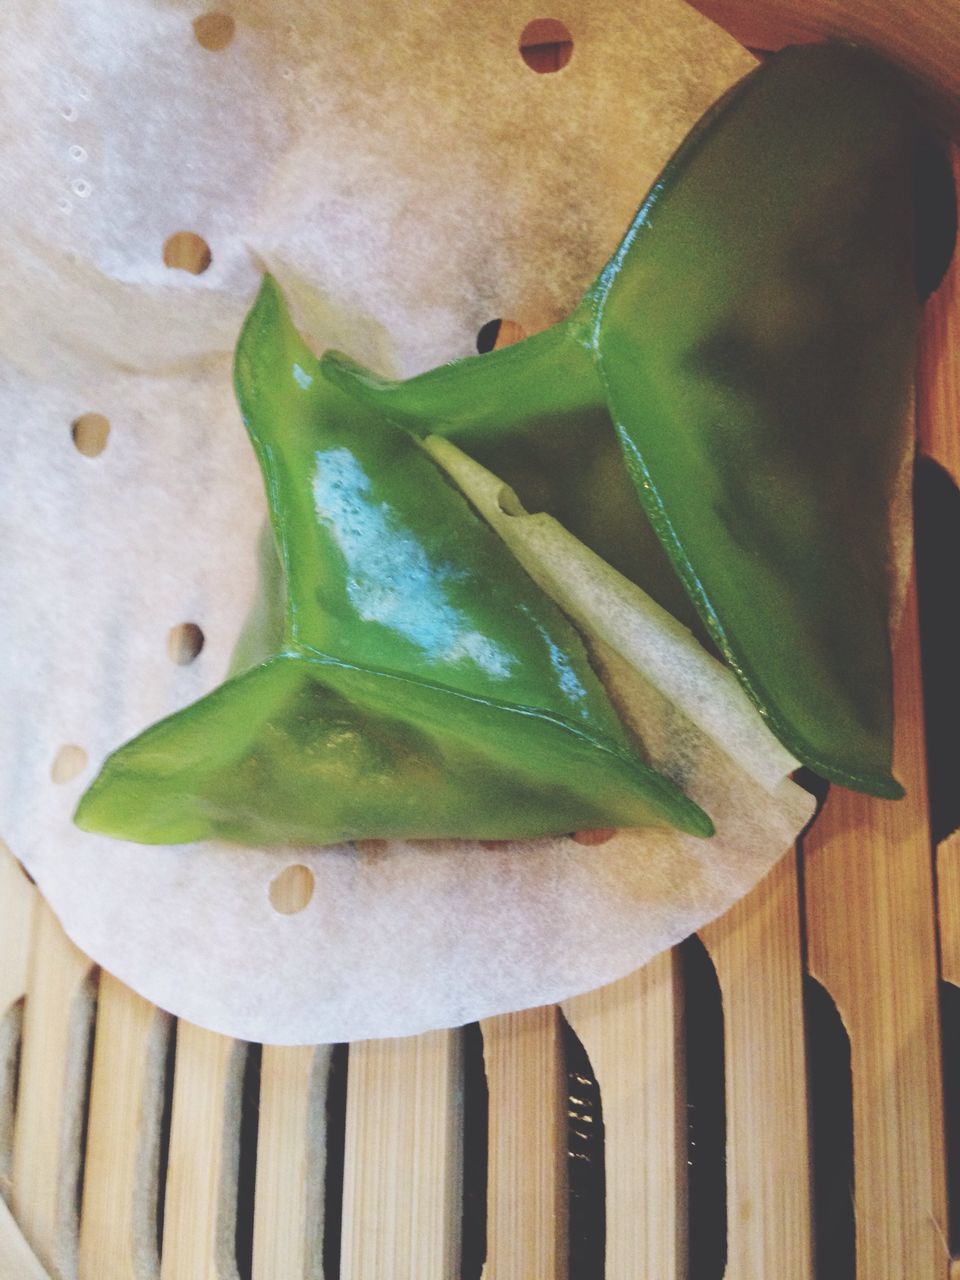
x=408, y=178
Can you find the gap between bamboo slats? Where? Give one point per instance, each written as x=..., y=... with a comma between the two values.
x=938, y=423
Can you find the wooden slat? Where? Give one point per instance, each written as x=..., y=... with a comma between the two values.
x=118, y=1236
x=631, y=1033
x=17, y=1260
x=50, y=1108
x=872, y=943
x=948, y=902
x=756, y=950
x=17, y=897
x=402, y=1159
x=201, y=1190
x=526, y=1171
x=291, y=1151
x=924, y=35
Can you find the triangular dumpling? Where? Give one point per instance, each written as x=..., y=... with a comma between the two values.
x=749, y=346
x=421, y=684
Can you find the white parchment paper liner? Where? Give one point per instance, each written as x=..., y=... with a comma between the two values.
x=407, y=178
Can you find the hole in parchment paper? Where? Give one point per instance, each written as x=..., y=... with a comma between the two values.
x=498, y=333
x=546, y=45
x=11, y=1038
x=89, y=433
x=186, y=251
x=476, y=1108
x=831, y=1134
x=586, y=1161
x=291, y=890
x=69, y=762
x=214, y=30
x=594, y=835
x=184, y=643
x=705, y=1071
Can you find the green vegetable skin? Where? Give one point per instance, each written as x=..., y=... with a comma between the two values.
x=749, y=348
x=420, y=684
x=721, y=419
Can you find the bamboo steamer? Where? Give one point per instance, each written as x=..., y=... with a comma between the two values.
x=133, y=1148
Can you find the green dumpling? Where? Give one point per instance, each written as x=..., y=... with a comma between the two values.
x=415, y=683
x=723, y=418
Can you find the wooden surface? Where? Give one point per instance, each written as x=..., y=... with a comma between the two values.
x=867, y=908
x=120, y=1183
x=402, y=1165
x=526, y=1199
x=756, y=950
x=923, y=35
x=200, y=1196
x=48, y=1126
x=632, y=1033
x=291, y=1156
x=872, y=943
